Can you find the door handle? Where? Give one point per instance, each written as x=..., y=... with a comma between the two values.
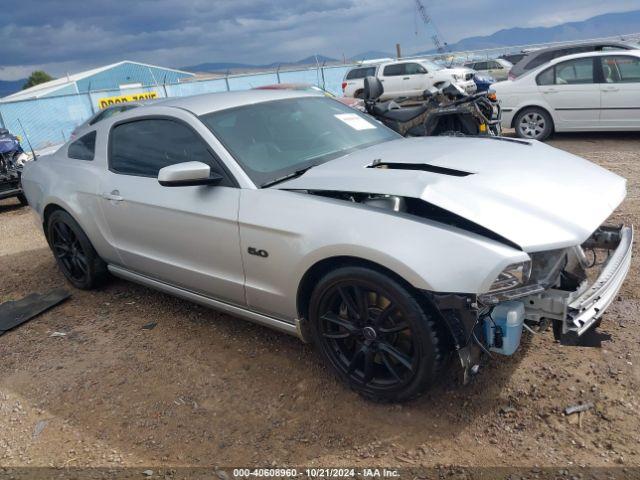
x=114, y=196
x=406, y=78
x=611, y=89
x=550, y=90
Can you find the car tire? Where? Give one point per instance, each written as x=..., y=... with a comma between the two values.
x=75, y=256
x=22, y=199
x=533, y=124
x=374, y=334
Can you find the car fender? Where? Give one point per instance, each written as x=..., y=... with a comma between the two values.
x=291, y=229
x=48, y=182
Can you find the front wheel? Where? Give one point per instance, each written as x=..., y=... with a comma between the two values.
x=533, y=124
x=374, y=334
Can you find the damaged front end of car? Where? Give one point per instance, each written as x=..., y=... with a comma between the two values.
x=567, y=288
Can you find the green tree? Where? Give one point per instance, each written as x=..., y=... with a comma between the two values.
x=37, y=77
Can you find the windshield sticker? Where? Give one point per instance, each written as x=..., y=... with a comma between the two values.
x=355, y=121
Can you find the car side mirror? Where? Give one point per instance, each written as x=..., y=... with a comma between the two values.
x=187, y=174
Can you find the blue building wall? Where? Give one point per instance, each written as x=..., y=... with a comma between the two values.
x=129, y=72
x=49, y=120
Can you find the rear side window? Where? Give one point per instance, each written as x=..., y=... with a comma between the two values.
x=621, y=69
x=84, y=148
x=143, y=147
x=571, y=72
x=394, y=70
x=576, y=71
x=547, y=77
x=481, y=66
x=361, y=73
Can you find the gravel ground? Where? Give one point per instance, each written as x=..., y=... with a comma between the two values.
x=203, y=388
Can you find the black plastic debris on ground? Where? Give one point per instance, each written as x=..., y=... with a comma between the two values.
x=16, y=312
x=149, y=326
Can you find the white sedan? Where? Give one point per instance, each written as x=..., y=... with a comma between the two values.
x=594, y=91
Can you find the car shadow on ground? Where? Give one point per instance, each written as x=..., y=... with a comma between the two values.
x=10, y=205
x=201, y=384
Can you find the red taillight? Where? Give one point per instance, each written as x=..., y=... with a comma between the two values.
x=344, y=86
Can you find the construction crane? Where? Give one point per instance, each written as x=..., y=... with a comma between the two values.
x=436, y=38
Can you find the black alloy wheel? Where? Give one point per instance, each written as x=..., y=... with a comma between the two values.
x=374, y=334
x=73, y=251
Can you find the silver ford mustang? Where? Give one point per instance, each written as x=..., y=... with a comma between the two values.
x=299, y=213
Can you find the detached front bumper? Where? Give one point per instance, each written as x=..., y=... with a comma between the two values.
x=589, y=306
x=581, y=309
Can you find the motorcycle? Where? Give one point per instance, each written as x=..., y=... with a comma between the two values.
x=12, y=159
x=447, y=110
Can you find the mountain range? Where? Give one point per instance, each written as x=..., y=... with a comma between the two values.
x=230, y=66
x=606, y=25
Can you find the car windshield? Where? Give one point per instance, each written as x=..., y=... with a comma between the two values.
x=277, y=139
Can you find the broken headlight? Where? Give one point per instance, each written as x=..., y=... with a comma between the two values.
x=513, y=276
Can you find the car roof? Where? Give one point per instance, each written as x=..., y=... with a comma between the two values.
x=520, y=67
x=605, y=53
x=578, y=45
x=214, y=102
x=555, y=61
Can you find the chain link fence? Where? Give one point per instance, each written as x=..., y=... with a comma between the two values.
x=50, y=120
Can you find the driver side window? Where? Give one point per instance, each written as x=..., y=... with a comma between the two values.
x=142, y=147
x=414, y=69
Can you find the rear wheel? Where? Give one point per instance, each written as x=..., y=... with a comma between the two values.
x=74, y=253
x=534, y=124
x=374, y=334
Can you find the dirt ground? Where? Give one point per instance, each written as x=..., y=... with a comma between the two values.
x=203, y=388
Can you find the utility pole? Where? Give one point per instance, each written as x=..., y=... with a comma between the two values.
x=398, y=51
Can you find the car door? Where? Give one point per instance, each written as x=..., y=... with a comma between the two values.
x=185, y=236
x=394, y=80
x=481, y=67
x=416, y=79
x=620, y=92
x=496, y=70
x=569, y=88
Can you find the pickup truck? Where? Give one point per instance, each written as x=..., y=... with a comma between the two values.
x=406, y=78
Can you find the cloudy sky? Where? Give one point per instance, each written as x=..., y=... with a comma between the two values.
x=72, y=35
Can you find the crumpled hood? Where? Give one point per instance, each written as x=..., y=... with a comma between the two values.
x=537, y=196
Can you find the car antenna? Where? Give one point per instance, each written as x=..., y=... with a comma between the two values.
x=26, y=137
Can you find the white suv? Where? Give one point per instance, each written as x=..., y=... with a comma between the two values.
x=406, y=78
